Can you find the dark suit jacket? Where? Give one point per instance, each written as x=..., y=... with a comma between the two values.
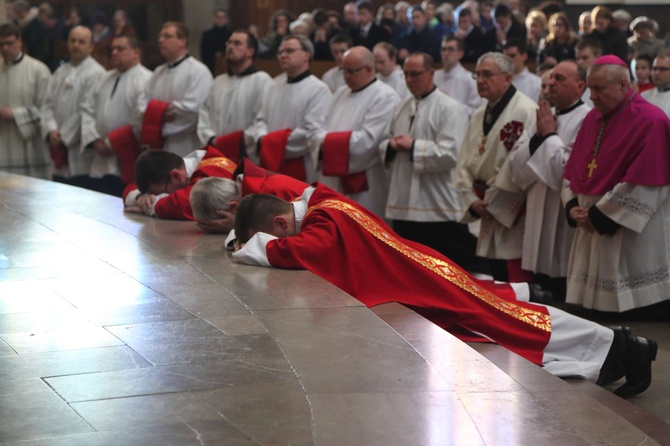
x=375, y=35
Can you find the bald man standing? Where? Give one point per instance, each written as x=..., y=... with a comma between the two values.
x=354, y=126
x=61, y=117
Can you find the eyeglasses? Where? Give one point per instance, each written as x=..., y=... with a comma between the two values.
x=288, y=51
x=661, y=69
x=353, y=71
x=413, y=74
x=485, y=74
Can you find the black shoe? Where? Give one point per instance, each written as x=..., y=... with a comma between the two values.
x=613, y=368
x=538, y=295
x=641, y=353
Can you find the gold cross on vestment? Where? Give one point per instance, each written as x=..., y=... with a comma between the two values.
x=592, y=166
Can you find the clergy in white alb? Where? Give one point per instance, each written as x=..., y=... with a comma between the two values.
x=660, y=94
x=23, y=82
x=453, y=79
x=616, y=188
x=296, y=100
x=234, y=97
x=524, y=81
x=388, y=70
x=420, y=149
x=111, y=105
x=61, y=114
x=537, y=166
x=355, y=122
x=184, y=83
x=339, y=44
x=482, y=171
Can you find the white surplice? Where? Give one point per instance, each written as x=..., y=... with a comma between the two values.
x=185, y=87
x=61, y=110
x=502, y=236
x=528, y=83
x=366, y=113
x=547, y=236
x=231, y=104
x=661, y=99
x=396, y=80
x=334, y=78
x=102, y=112
x=300, y=106
x=420, y=187
x=458, y=84
x=22, y=87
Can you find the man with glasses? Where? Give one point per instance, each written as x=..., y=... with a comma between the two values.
x=660, y=75
x=289, y=113
x=421, y=148
x=234, y=97
x=23, y=81
x=483, y=175
x=61, y=115
x=174, y=94
x=353, y=127
x=110, y=121
x=163, y=181
x=453, y=79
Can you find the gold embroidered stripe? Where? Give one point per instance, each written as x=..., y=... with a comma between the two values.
x=224, y=163
x=443, y=269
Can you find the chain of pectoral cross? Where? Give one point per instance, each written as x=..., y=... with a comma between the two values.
x=592, y=164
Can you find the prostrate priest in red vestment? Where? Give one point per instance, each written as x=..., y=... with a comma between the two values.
x=164, y=180
x=356, y=251
x=616, y=188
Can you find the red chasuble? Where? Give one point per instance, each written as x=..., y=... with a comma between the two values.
x=257, y=180
x=273, y=150
x=127, y=149
x=177, y=206
x=339, y=241
x=336, y=162
x=231, y=145
x=152, y=124
x=634, y=148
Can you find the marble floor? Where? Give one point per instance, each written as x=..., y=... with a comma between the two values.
x=121, y=329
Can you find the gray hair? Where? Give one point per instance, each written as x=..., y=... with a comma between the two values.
x=502, y=61
x=305, y=43
x=613, y=73
x=212, y=194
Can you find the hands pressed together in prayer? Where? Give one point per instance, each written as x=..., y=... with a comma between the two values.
x=401, y=143
x=546, y=121
x=220, y=225
x=581, y=216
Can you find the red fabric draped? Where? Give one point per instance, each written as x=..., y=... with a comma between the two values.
x=336, y=162
x=152, y=124
x=273, y=150
x=229, y=145
x=257, y=180
x=127, y=149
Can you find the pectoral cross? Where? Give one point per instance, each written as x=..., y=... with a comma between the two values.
x=592, y=166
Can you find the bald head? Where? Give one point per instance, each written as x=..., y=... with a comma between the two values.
x=79, y=44
x=358, y=66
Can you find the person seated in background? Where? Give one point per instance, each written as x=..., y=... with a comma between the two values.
x=343, y=243
x=163, y=181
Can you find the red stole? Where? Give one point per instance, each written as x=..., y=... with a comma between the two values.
x=339, y=241
x=152, y=124
x=273, y=149
x=177, y=205
x=633, y=149
x=257, y=180
x=231, y=145
x=58, y=155
x=127, y=149
x=336, y=162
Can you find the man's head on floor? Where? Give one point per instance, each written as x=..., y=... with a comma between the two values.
x=211, y=195
x=263, y=213
x=160, y=172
